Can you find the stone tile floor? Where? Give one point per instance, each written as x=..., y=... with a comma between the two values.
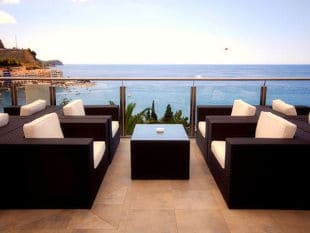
x=156, y=206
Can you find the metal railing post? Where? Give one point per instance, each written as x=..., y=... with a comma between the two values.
x=192, y=118
x=263, y=94
x=13, y=91
x=52, y=95
x=122, y=100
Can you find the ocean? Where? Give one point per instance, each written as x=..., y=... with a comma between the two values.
x=177, y=93
x=186, y=70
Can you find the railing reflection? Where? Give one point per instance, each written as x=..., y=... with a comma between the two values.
x=192, y=91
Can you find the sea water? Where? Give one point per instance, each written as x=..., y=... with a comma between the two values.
x=177, y=93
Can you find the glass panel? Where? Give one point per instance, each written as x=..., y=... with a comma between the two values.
x=140, y=96
x=21, y=97
x=95, y=92
x=175, y=93
x=225, y=92
x=292, y=92
x=5, y=98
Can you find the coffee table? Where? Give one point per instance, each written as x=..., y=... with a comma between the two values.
x=164, y=155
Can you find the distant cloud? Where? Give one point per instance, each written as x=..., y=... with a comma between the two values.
x=6, y=18
x=9, y=1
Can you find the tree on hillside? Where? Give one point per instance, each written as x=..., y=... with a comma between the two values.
x=154, y=117
x=148, y=115
x=168, y=116
x=9, y=62
x=34, y=54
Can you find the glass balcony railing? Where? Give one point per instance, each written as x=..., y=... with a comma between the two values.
x=181, y=94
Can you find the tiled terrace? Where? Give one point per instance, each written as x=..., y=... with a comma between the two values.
x=159, y=206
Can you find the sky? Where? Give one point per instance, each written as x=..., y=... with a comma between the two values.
x=160, y=31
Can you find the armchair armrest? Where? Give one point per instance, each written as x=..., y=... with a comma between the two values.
x=44, y=154
x=112, y=110
x=15, y=111
x=264, y=151
x=46, y=173
x=97, y=127
x=12, y=110
x=302, y=109
x=221, y=127
x=207, y=110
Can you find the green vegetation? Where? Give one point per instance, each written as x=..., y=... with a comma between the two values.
x=132, y=120
x=64, y=101
x=146, y=116
x=149, y=116
x=34, y=54
x=9, y=62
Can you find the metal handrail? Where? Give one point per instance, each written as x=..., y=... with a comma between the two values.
x=180, y=78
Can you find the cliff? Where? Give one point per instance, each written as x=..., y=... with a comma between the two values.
x=23, y=56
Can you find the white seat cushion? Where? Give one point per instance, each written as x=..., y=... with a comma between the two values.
x=241, y=108
x=4, y=119
x=287, y=109
x=35, y=106
x=202, y=128
x=115, y=126
x=99, y=149
x=74, y=108
x=218, y=149
x=272, y=126
x=47, y=126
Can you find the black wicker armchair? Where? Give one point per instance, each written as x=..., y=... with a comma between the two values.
x=52, y=172
x=259, y=172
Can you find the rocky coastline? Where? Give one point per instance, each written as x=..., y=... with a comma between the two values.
x=23, y=63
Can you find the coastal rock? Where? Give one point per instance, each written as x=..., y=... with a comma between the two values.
x=51, y=63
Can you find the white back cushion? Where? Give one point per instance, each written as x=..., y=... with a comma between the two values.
x=272, y=126
x=47, y=126
x=35, y=106
x=287, y=109
x=241, y=108
x=74, y=108
x=99, y=149
x=4, y=119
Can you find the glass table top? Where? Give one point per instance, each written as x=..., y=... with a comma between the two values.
x=149, y=132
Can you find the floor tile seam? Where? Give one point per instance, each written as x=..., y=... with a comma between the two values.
x=225, y=221
x=198, y=209
x=176, y=221
x=102, y=218
x=176, y=208
x=151, y=209
x=109, y=227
